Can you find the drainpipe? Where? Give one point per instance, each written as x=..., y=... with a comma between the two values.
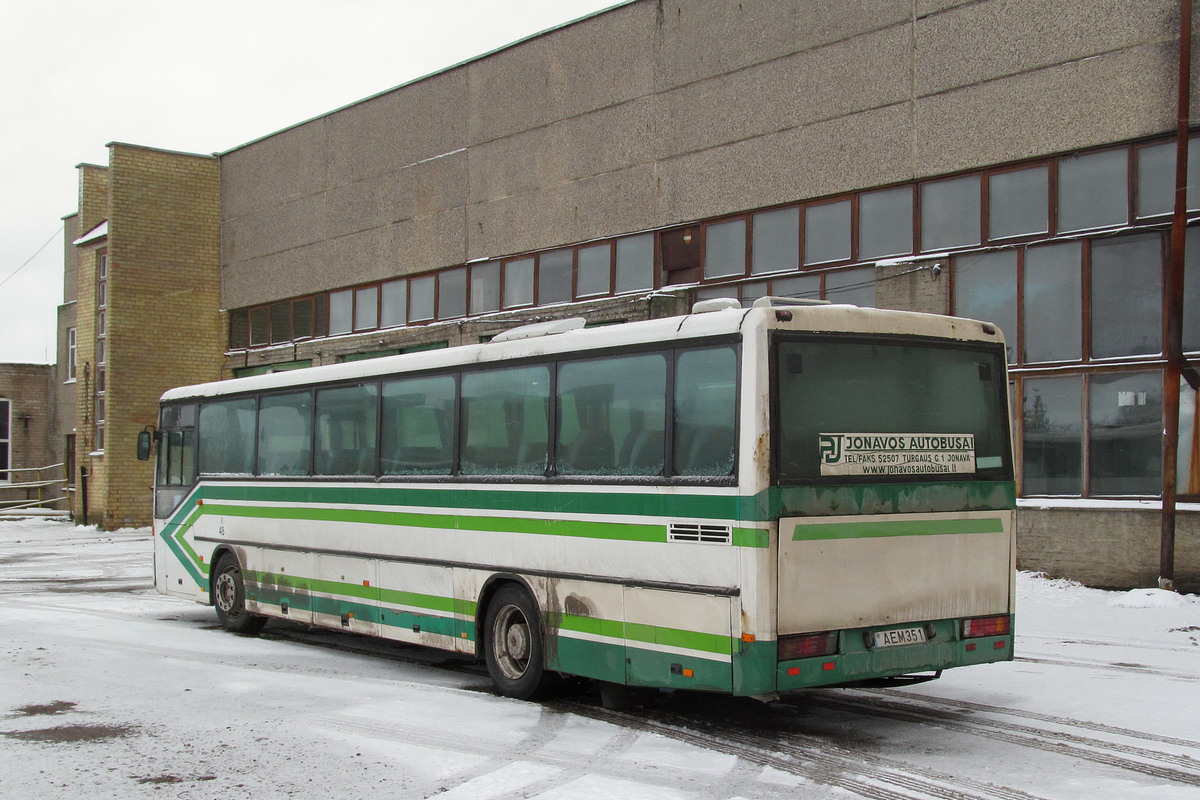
x=1176, y=366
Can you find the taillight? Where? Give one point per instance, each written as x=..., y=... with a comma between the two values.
x=807, y=645
x=986, y=626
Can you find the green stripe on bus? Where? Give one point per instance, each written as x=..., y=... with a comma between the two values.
x=548, y=527
x=766, y=506
x=649, y=634
x=866, y=528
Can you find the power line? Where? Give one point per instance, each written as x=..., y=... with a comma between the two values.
x=32, y=257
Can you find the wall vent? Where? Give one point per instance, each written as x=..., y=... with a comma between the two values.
x=699, y=532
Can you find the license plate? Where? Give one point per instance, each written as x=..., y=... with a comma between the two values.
x=898, y=637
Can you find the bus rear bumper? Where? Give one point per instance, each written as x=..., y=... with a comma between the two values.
x=856, y=660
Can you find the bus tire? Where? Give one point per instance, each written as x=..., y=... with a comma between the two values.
x=514, y=647
x=229, y=598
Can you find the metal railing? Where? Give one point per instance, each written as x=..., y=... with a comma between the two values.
x=51, y=485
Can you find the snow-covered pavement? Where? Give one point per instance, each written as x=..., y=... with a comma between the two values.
x=108, y=689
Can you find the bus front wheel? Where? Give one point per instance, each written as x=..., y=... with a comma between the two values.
x=513, y=647
x=229, y=598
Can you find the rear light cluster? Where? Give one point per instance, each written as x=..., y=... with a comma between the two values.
x=808, y=645
x=986, y=626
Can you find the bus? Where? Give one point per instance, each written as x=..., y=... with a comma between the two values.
x=749, y=501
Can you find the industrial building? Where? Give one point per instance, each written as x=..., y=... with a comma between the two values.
x=1007, y=160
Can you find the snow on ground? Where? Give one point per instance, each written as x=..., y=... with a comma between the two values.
x=108, y=689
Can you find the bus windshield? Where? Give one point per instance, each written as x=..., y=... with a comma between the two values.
x=890, y=409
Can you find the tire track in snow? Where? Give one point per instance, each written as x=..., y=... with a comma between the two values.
x=1174, y=767
x=815, y=759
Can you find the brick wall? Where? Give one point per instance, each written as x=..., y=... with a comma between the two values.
x=28, y=387
x=164, y=326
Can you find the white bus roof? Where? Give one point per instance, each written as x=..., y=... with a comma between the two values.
x=563, y=336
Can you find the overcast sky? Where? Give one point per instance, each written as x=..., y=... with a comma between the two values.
x=77, y=74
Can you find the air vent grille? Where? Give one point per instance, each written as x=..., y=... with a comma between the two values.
x=699, y=532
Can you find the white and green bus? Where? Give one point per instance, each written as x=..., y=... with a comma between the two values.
x=747, y=501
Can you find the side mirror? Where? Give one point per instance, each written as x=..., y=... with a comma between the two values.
x=145, y=443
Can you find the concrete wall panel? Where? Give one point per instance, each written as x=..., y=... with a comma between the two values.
x=604, y=141
x=272, y=171
x=571, y=212
x=867, y=149
x=1108, y=98
x=701, y=40
x=432, y=186
x=865, y=72
x=256, y=279
x=362, y=205
x=417, y=122
x=984, y=41
x=429, y=241
x=1106, y=548
x=591, y=65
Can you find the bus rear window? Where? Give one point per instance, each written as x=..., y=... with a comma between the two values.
x=861, y=411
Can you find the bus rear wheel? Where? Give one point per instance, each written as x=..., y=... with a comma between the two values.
x=229, y=598
x=513, y=645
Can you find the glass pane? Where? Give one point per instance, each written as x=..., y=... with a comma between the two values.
x=885, y=222
x=753, y=291
x=595, y=270
x=939, y=396
x=775, y=244
x=346, y=430
x=705, y=421
x=259, y=333
x=855, y=287
x=418, y=426
x=366, y=308
x=827, y=232
x=485, y=287
x=1093, y=191
x=725, y=249
x=1053, y=303
x=302, y=318
x=1019, y=202
x=985, y=288
x=421, y=298
x=1156, y=178
x=320, y=315
x=1125, y=433
x=281, y=321
x=504, y=419
x=1127, y=296
x=452, y=293
x=518, y=283
x=285, y=434
x=801, y=286
x=239, y=328
x=341, y=310
x=1052, y=431
x=227, y=437
x=394, y=304
x=554, y=277
x=611, y=416
x=950, y=213
x=1191, y=291
x=635, y=263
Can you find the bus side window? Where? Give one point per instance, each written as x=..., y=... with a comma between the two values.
x=346, y=421
x=611, y=416
x=284, y=434
x=705, y=411
x=226, y=437
x=505, y=422
x=418, y=426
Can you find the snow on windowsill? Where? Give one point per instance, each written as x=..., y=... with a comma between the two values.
x=1100, y=504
